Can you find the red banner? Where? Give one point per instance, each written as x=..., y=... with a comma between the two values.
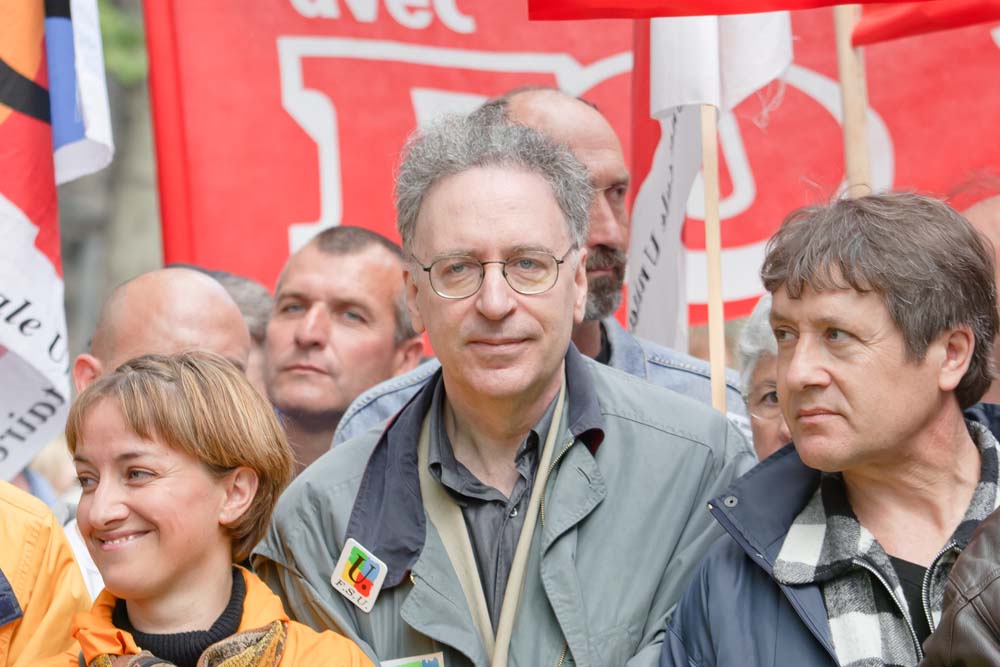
x=880, y=23
x=273, y=119
x=561, y=10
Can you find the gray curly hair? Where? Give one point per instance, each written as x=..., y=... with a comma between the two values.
x=485, y=138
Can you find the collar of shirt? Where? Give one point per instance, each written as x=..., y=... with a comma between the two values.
x=459, y=481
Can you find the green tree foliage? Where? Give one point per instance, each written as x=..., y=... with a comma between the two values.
x=124, y=42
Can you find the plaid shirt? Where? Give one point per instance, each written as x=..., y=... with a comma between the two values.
x=867, y=610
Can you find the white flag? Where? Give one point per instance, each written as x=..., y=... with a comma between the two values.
x=47, y=135
x=693, y=61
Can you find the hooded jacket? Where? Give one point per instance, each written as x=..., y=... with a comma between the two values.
x=96, y=634
x=40, y=585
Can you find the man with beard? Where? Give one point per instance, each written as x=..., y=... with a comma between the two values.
x=580, y=126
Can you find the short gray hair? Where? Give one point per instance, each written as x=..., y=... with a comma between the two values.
x=486, y=138
x=931, y=268
x=756, y=341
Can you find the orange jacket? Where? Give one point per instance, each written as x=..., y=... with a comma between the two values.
x=41, y=588
x=95, y=633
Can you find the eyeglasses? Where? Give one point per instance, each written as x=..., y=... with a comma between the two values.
x=527, y=272
x=763, y=403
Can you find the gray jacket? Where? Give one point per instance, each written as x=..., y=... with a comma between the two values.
x=642, y=358
x=624, y=524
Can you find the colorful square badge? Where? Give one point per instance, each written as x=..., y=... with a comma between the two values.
x=429, y=660
x=358, y=575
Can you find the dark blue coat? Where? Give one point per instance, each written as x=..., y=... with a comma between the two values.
x=734, y=613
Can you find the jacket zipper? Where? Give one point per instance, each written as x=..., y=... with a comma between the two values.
x=562, y=656
x=552, y=466
x=902, y=611
x=925, y=591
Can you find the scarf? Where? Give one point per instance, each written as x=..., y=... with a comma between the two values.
x=865, y=604
x=261, y=647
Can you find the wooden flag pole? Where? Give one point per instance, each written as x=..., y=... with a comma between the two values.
x=713, y=252
x=854, y=97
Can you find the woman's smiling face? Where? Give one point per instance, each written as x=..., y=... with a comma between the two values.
x=150, y=514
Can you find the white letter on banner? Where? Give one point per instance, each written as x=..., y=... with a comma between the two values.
x=364, y=11
x=412, y=14
x=313, y=8
x=454, y=19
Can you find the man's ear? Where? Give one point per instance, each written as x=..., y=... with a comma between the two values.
x=956, y=347
x=408, y=355
x=580, y=280
x=410, y=280
x=241, y=488
x=86, y=369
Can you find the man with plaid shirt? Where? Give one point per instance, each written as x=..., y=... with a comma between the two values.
x=840, y=544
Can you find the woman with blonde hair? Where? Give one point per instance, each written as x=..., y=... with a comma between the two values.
x=180, y=462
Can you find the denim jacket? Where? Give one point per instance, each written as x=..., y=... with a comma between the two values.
x=642, y=358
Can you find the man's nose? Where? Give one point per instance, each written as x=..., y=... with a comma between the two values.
x=313, y=329
x=495, y=298
x=605, y=227
x=805, y=366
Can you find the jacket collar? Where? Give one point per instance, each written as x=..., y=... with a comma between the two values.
x=388, y=516
x=759, y=508
x=97, y=634
x=626, y=351
x=830, y=533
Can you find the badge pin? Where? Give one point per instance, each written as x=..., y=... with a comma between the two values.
x=358, y=575
x=428, y=660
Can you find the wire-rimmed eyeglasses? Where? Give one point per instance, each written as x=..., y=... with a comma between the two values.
x=527, y=272
x=762, y=402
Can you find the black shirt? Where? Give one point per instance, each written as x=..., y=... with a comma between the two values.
x=184, y=648
x=493, y=521
x=911, y=577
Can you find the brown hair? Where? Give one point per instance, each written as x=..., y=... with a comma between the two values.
x=931, y=268
x=200, y=404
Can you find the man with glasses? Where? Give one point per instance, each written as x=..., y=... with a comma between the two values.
x=580, y=127
x=528, y=506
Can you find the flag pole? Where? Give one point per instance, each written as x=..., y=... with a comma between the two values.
x=854, y=98
x=713, y=252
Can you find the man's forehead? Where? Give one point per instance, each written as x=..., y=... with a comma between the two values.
x=826, y=303
x=490, y=210
x=575, y=124
x=312, y=267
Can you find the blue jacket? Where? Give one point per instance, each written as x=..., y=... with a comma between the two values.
x=734, y=613
x=654, y=363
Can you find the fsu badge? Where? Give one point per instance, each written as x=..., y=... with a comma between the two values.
x=358, y=575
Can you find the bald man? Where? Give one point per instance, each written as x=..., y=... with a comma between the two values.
x=583, y=129
x=165, y=312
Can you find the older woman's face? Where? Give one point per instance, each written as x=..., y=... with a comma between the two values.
x=769, y=430
x=150, y=515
